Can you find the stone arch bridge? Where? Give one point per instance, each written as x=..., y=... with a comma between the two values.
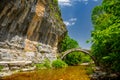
x=78, y=50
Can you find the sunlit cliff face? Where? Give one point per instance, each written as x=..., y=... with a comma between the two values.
x=30, y=30
x=36, y=20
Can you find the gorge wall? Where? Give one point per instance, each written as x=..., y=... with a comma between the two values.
x=30, y=30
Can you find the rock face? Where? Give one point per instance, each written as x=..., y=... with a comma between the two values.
x=30, y=30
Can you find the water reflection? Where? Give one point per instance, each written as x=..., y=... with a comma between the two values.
x=69, y=73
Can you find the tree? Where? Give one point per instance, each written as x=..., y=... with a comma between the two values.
x=106, y=35
x=73, y=58
x=67, y=43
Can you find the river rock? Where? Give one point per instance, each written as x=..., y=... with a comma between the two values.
x=29, y=69
x=5, y=69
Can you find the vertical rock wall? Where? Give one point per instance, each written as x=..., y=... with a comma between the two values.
x=29, y=28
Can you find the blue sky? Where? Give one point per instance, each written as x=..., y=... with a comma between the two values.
x=77, y=17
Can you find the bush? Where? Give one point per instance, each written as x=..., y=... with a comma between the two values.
x=73, y=58
x=59, y=64
x=46, y=64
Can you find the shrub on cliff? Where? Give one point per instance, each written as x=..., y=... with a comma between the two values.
x=59, y=64
x=1, y=67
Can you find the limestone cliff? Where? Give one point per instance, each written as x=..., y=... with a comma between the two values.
x=29, y=28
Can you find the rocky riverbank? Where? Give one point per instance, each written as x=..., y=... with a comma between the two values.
x=6, y=72
x=11, y=67
x=14, y=58
x=102, y=75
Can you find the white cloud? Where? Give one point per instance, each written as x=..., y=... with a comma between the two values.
x=67, y=23
x=71, y=2
x=70, y=22
x=65, y=2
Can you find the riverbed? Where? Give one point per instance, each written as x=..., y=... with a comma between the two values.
x=69, y=73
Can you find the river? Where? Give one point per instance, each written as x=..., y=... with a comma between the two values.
x=69, y=73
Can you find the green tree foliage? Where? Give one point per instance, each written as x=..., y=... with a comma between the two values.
x=85, y=58
x=106, y=35
x=68, y=43
x=73, y=58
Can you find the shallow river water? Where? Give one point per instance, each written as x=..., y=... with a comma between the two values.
x=69, y=73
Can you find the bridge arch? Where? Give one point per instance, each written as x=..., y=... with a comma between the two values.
x=78, y=50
